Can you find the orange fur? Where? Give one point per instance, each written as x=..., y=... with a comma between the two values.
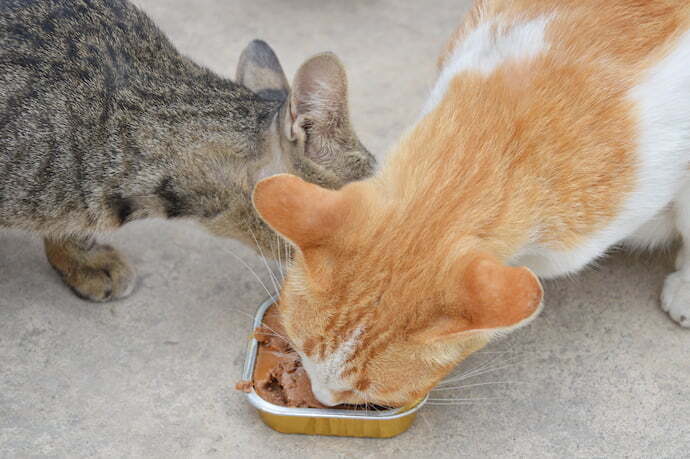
x=626, y=30
x=540, y=150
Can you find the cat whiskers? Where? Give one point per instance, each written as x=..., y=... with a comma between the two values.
x=486, y=368
x=479, y=402
x=488, y=383
x=264, y=325
x=283, y=354
x=426, y=421
x=276, y=256
x=287, y=254
x=491, y=366
x=366, y=405
x=274, y=333
x=246, y=265
x=450, y=400
x=281, y=253
x=440, y=395
x=463, y=399
x=274, y=280
x=283, y=257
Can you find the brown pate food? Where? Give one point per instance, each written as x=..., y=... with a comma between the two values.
x=279, y=377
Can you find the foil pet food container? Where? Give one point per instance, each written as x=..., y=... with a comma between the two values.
x=317, y=421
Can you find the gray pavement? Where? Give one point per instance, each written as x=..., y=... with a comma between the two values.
x=602, y=372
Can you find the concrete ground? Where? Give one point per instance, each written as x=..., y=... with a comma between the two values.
x=602, y=372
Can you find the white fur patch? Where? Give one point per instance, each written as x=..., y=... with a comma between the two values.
x=487, y=47
x=675, y=298
x=325, y=374
x=663, y=157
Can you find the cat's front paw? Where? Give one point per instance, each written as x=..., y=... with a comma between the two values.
x=95, y=272
x=675, y=298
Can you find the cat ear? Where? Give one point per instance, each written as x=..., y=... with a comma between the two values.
x=260, y=71
x=491, y=296
x=300, y=211
x=499, y=296
x=318, y=115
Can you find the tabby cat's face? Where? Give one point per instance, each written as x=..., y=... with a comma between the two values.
x=378, y=311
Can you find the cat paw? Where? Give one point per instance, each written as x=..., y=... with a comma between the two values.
x=675, y=298
x=94, y=272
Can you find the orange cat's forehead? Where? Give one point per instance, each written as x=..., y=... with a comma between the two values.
x=390, y=325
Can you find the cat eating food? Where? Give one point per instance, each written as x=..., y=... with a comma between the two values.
x=279, y=377
x=103, y=122
x=556, y=130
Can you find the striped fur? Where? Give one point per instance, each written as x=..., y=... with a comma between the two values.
x=103, y=122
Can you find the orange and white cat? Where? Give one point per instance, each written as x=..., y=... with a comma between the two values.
x=557, y=129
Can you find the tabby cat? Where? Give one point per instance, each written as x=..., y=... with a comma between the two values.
x=556, y=129
x=103, y=122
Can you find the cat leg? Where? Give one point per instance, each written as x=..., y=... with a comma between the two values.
x=675, y=297
x=93, y=271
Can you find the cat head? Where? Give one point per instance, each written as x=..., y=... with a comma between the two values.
x=379, y=306
x=309, y=135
